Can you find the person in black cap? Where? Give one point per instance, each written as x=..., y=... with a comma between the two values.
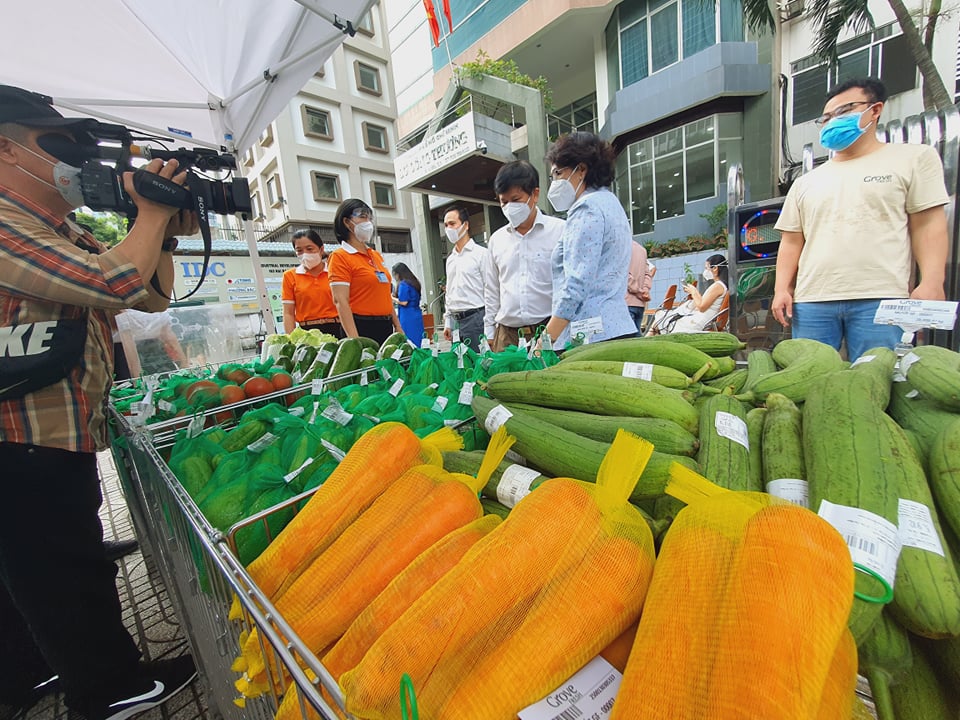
x=59, y=609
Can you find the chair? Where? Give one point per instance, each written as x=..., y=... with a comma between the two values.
x=719, y=322
x=669, y=299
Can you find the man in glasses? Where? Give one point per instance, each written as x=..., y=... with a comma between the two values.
x=853, y=229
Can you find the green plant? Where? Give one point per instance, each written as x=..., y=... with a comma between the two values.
x=691, y=244
x=717, y=219
x=689, y=277
x=506, y=70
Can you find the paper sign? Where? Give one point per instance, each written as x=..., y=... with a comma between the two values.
x=917, y=529
x=335, y=412
x=731, y=427
x=587, y=327
x=907, y=313
x=396, y=387
x=466, y=393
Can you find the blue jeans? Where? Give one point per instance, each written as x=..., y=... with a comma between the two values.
x=637, y=314
x=835, y=320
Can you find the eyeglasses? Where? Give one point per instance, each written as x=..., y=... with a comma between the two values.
x=364, y=214
x=842, y=110
x=557, y=172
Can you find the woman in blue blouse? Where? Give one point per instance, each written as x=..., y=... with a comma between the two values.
x=408, y=303
x=592, y=259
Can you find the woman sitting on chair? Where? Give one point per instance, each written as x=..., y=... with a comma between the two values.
x=700, y=308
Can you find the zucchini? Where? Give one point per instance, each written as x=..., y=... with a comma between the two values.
x=520, y=480
x=660, y=374
x=560, y=453
x=666, y=435
x=926, y=598
x=782, y=451
x=935, y=372
x=685, y=358
x=716, y=344
x=724, y=454
x=759, y=364
x=735, y=380
x=804, y=364
x=944, y=462
x=591, y=392
x=851, y=463
x=755, y=420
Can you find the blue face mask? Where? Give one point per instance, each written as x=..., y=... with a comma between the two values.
x=842, y=132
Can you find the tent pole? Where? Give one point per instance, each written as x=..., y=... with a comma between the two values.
x=266, y=311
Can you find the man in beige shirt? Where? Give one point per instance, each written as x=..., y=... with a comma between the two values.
x=853, y=228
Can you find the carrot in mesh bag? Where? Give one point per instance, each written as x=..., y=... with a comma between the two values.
x=511, y=578
x=376, y=460
x=766, y=588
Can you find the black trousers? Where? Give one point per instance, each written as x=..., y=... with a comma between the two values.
x=59, y=606
x=375, y=327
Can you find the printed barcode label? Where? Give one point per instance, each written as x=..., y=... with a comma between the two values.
x=425, y=343
x=435, y=350
x=324, y=356
x=731, y=427
x=874, y=541
x=917, y=529
x=522, y=343
x=515, y=484
x=195, y=427
x=298, y=355
x=440, y=404
x=364, y=378
x=641, y=371
x=166, y=406
x=466, y=393
x=297, y=377
x=497, y=417
x=265, y=441
x=590, y=693
x=795, y=491
x=396, y=354
x=484, y=346
x=460, y=351
x=296, y=411
x=455, y=335
x=335, y=412
x=367, y=355
x=569, y=714
x=396, y=387
x=151, y=382
x=316, y=387
x=294, y=473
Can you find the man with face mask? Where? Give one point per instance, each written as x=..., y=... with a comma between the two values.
x=55, y=273
x=853, y=229
x=518, y=279
x=464, y=290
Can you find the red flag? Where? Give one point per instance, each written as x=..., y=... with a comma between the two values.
x=446, y=12
x=432, y=19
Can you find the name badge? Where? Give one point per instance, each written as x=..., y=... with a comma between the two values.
x=382, y=276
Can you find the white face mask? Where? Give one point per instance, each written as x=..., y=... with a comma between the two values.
x=66, y=179
x=707, y=274
x=516, y=213
x=363, y=231
x=454, y=234
x=562, y=194
x=311, y=260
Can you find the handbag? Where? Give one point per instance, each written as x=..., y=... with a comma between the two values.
x=35, y=355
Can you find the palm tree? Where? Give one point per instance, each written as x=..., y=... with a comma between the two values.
x=831, y=17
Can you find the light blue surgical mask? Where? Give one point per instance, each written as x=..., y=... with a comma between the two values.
x=842, y=132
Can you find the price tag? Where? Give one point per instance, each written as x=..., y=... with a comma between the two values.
x=522, y=343
x=497, y=417
x=297, y=411
x=335, y=412
x=298, y=355
x=396, y=387
x=460, y=350
x=587, y=327
x=455, y=335
x=906, y=362
x=151, y=382
x=293, y=473
x=195, y=428
x=917, y=529
x=795, y=491
x=907, y=313
x=166, y=406
x=452, y=422
x=364, y=378
x=874, y=542
x=367, y=356
x=396, y=354
x=515, y=484
x=863, y=359
x=484, y=346
x=297, y=377
x=588, y=695
x=425, y=344
x=641, y=371
x=332, y=449
x=324, y=356
x=466, y=393
x=261, y=444
x=435, y=349
x=316, y=386
x=440, y=404
x=731, y=427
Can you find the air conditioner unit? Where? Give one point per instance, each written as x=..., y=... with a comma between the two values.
x=790, y=9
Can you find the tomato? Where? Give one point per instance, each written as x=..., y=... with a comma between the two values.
x=256, y=386
x=281, y=381
x=202, y=392
x=232, y=394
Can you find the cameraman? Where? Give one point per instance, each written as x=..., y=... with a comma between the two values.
x=58, y=599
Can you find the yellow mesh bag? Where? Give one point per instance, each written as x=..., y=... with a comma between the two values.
x=378, y=458
x=748, y=603
x=840, y=690
x=509, y=622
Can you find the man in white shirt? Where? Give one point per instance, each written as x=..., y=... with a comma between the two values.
x=464, y=293
x=518, y=284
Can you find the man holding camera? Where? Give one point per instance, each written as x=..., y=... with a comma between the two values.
x=58, y=599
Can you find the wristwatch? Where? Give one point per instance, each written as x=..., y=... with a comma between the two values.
x=169, y=245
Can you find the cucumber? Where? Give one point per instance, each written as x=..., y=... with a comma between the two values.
x=724, y=455
x=935, y=372
x=915, y=412
x=320, y=367
x=755, y=421
x=926, y=598
x=735, y=380
x=716, y=344
x=804, y=362
x=944, y=462
x=347, y=360
x=851, y=462
x=591, y=392
x=685, y=358
x=666, y=435
x=660, y=374
x=782, y=450
x=560, y=453
x=759, y=364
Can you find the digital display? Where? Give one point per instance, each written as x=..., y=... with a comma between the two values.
x=758, y=240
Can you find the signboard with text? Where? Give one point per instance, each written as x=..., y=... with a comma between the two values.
x=450, y=144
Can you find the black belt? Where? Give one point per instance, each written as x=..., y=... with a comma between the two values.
x=320, y=321
x=374, y=317
x=465, y=313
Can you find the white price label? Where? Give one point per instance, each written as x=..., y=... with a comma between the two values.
x=367, y=356
x=795, y=491
x=396, y=387
x=396, y=354
x=261, y=444
x=452, y=422
x=484, y=346
x=425, y=344
x=907, y=313
x=497, y=417
x=587, y=327
x=316, y=387
x=332, y=449
x=435, y=350
x=440, y=404
x=455, y=335
x=297, y=411
x=166, y=406
x=294, y=473
x=522, y=343
x=324, y=356
x=731, y=427
x=917, y=529
x=515, y=484
x=364, y=378
x=588, y=695
x=466, y=393
x=151, y=382
x=863, y=359
x=335, y=412
x=299, y=354
x=641, y=371
x=874, y=542
x=195, y=428
x=297, y=377
x=460, y=350
x=906, y=362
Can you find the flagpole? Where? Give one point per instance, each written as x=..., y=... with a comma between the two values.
x=446, y=43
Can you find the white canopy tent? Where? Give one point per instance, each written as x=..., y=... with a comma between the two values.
x=203, y=72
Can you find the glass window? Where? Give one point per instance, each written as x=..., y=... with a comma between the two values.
x=382, y=194
x=898, y=69
x=396, y=241
x=669, y=186
x=375, y=137
x=856, y=65
x=274, y=196
x=316, y=122
x=368, y=78
x=731, y=21
x=668, y=141
x=729, y=153
x=663, y=27
x=809, y=89
x=256, y=206
x=641, y=151
x=633, y=54
x=642, y=207
x=631, y=11
x=325, y=187
x=699, y=26
x=365, y=25
x=699, y=131
x=701, y=177
x=613, y=54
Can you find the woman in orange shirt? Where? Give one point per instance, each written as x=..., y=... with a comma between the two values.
x=358, y=278
x=306, y=295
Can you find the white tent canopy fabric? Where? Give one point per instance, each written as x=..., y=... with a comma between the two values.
x=204, y=72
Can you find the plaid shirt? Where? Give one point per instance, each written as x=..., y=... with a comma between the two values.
x=51, y=269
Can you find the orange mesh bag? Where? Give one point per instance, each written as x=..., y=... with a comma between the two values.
x=378, y=458
x=840, y=690
x=509, y=623
x=752, y=594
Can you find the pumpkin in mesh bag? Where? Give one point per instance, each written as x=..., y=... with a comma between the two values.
x=754, y=594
